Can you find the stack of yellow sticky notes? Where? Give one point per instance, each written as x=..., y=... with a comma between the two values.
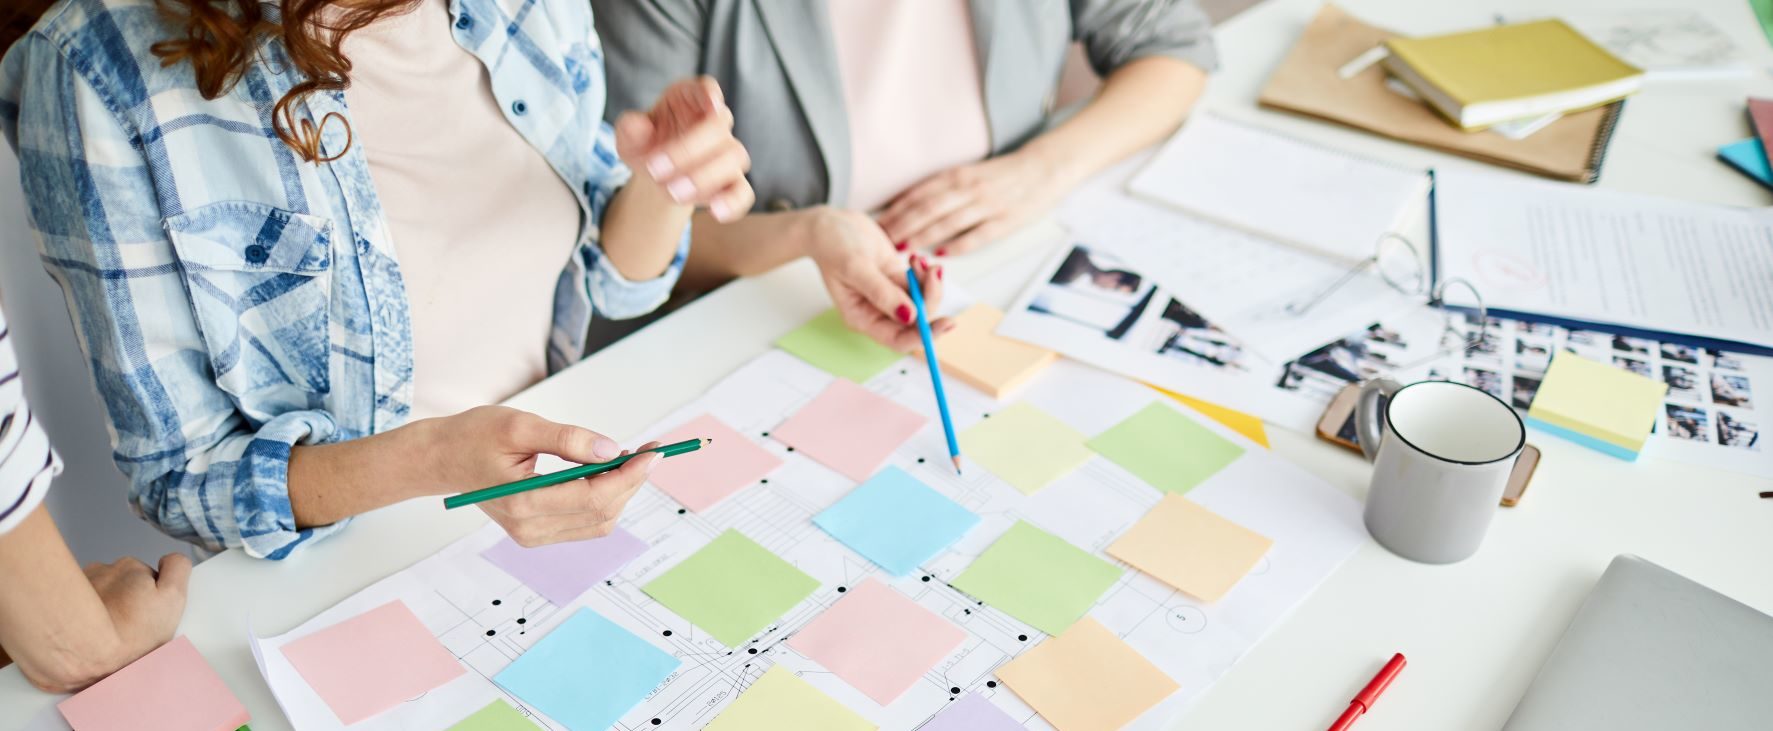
x=1597, y=405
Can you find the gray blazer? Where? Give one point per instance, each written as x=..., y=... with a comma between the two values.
x=776, y=62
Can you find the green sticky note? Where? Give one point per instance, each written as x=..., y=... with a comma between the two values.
x=1763, y=10
x=1038, y=578
x=833, y=347
x=496, y=716
x=1161, y=446
x=732, y=588
x=1025, y=446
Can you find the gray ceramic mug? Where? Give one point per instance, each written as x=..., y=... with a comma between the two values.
x=1441, y=453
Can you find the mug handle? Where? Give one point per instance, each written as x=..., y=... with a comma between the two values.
x=1366, y=414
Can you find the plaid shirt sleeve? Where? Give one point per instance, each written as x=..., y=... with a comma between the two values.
x=200, y=469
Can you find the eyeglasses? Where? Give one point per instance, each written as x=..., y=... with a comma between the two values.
x=1400, y=265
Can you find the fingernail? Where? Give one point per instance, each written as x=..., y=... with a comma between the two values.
x=938, y=272
x=899, y=245
x=651, y=463
x=720, y=210
x=660, y=167
x=905, y=314
x=605, y=448
x=941, y=252
x=681, y=190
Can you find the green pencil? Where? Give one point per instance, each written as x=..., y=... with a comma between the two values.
x=567, y=475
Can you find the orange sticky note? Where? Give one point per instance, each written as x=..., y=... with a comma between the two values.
x=701, y=479
x=372, y=662
x=170, y=689
x=976, y=354
x=1191, y=548
x=1246, y=424
x=849, y=428
x=1086, y=679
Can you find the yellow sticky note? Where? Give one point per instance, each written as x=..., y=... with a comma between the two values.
x=1191, y=548
x=1237, y=421
x=1025, y=446
x=781, y=701
x=1086, y=679
x=976, y=354
x=1597, y=405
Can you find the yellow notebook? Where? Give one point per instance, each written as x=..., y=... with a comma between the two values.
x=1478, y=78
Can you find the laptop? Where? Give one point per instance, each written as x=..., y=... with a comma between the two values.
x=1651, y=649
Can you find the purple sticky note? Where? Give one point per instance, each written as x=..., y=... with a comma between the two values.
x=972, y=713
x=562, y=571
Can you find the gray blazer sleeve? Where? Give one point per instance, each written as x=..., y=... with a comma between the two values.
x=647, y=44
x=1115, y=32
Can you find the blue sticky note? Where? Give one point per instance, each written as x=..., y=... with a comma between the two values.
x=1749, y=157
x=587, y=673
x=896, y=521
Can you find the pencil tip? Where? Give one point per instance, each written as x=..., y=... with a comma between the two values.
x=957, y=465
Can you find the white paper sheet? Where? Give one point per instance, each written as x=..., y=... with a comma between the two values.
x=1624, y=259
x=1325, y=201
x=1315, y=527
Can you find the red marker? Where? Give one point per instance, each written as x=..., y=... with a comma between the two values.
x=1363, y=701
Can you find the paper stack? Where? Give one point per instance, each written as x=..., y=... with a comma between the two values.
x=1596, y=405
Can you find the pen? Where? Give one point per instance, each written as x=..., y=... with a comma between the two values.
x=1363, y=701
x=929, y=354
x=567, y=475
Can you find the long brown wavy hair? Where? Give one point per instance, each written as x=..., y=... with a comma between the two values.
x=221, y=38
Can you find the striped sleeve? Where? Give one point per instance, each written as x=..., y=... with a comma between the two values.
x=27, y=464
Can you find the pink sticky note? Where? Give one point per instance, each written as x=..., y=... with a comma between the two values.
x=170, y=689
x=849, y=429
x=562, y=571
x=703, y=478
x=877, y=640
x=372, y=662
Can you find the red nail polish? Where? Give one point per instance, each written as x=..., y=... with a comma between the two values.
x=938, y=272
x=941, y=252
x=899, y=245
x=905, y=314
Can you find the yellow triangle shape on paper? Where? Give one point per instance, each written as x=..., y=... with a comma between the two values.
x=1237, y=421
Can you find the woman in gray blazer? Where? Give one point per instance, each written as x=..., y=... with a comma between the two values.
x=882, y=126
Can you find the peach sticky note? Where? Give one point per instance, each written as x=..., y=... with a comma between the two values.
x=170, y=689
x=976, y=354
x=701, y=479
x=1191, y=548
x=372, y=662
x=877, y=640
x=1086, y=679
x=849, y=428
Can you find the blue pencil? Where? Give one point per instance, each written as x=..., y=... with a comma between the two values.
x=929, y=354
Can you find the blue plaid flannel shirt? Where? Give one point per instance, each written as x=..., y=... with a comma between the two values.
x=234, y=300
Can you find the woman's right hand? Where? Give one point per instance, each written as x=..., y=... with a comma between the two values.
x=493, y=445
x=866, y=278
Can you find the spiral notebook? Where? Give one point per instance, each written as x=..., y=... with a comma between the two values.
x=1306, y=82
x=1320, y=199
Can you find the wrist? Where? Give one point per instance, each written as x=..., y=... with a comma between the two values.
x=815, y=228
x=1054, y=162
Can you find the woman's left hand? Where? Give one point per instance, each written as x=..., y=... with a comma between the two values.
x=686, y=146
x=962, y=208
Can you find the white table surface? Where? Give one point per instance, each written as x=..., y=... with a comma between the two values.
x=1475, y=632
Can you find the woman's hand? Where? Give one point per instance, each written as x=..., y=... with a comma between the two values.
x=493, y=445
x=866, y=278
x=686, y=146
x=962, y=208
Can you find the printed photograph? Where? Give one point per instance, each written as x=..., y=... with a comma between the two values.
x=1536, y=328
x=1350, y=359
x=1096, y=291
x=1488, y=381
x=1733, y=431
x=1525, y=387
x=1532, y=356
x=1681, y=353
x=1634, y=365
x=1686, y=422
x=1635, y=346
x=1683, y=383
x=1589, y=337
x=1726, y=361
x=1192, y=338
x=1731, y=390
